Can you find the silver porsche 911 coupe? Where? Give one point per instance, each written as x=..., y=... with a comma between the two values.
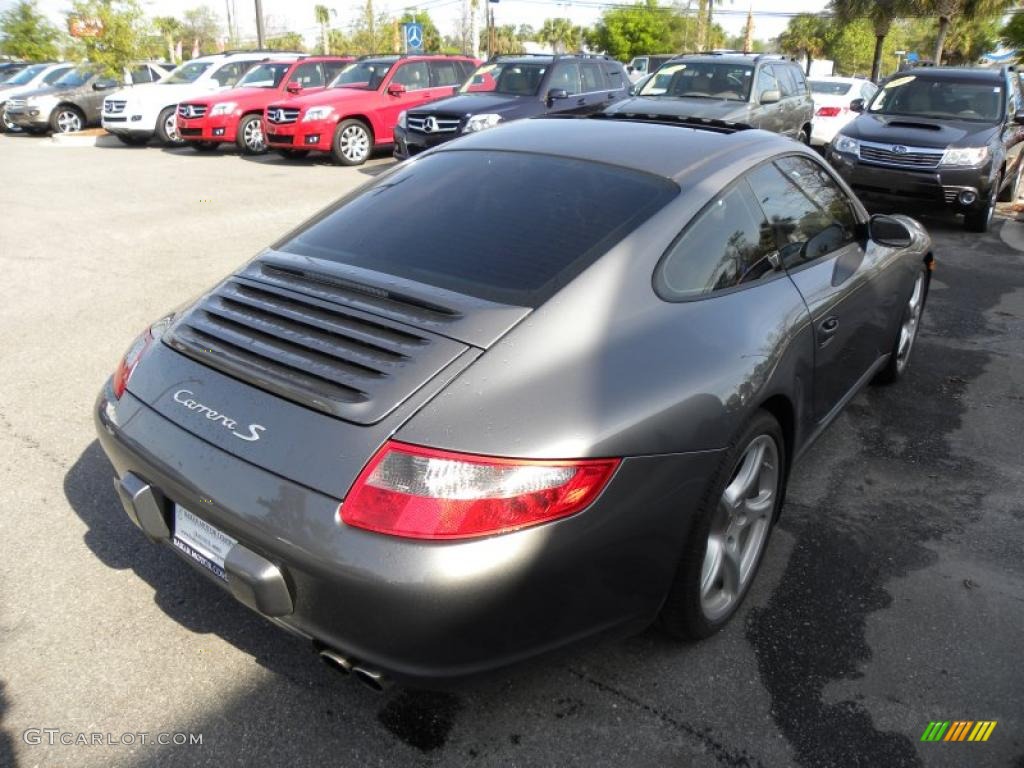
x=542, y=383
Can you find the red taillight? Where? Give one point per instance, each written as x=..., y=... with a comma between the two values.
x=129, y=361
x=424, y=493
x=828, y=111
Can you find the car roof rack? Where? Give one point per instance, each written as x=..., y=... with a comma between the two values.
x=235, y=51
x=683, y=121
x=409, y=55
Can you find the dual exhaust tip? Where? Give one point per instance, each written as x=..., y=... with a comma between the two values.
x=371, y=678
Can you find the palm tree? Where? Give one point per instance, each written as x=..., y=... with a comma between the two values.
x=560, y=34
x=966, y=10
x=323, y=18
x=170, y=29
x=881, y=13
x=805, y=34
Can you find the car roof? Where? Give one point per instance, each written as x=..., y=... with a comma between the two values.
x=671, y=151
x=959, y=73
x=734, y=57
x=837, y=79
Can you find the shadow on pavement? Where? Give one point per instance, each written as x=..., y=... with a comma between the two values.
x=6, y=742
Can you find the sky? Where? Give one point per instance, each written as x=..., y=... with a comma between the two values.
x=297, y=15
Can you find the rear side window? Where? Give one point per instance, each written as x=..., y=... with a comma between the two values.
x=230, y=74
x=445, y=73
x=331, y=69
x=786, y=81
x=765, y=82
x=308, y=75
x=592, y=78
x=728, y=244
x=414, y=76
x=809, y=213
x=798, y=78
x=141, y=74
x=614, y=78
x=504, y=226
x=565, y=76
x=56, y=75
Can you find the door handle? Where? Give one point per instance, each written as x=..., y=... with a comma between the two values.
x=827, y=329
x=581, y=102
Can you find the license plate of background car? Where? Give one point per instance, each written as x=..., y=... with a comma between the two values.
x=202, y=542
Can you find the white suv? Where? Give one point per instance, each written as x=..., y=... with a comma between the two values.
x=134, y=115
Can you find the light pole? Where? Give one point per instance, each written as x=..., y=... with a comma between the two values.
x=260, y=42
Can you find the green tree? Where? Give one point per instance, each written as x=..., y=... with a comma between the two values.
x=507, y=40
x=338, y=41
x=289, y=41
x=432, y=40
x=961, y=13
x=201, y=28
x=561, y=34
x=851, y=46
x=645, y=27
x=880, y=13
x=170, y=29
x=373, y=32
x=1012, y=35
x=806, y=34
x=323, y=14
x=122, y=37
x=25, y=33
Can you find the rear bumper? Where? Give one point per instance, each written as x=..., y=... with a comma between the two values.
x=913, y=187
x=221, y=128
x=420, y=611
x=316, y=135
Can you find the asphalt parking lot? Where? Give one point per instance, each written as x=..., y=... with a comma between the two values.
x=892, y=593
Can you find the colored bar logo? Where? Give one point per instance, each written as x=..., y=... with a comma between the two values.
x=958, y=730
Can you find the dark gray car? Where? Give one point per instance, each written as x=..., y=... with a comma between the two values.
x=537, y=384
x=764, y=91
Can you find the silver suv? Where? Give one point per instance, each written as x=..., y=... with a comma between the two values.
x=765, y=91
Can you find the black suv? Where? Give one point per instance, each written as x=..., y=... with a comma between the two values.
x=511, y=88
x=937, y=136
x=765, y=91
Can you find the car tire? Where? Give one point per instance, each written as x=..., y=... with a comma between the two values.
x=250, y=138
x=729, y=533
x=6, y=126
x=66, y=119
x=203, y=146
x=132, y=141
x=167, y=128
x=906, y=335
x=353, y=142
x=293, y=154
x=804, y=136
x=978, y=220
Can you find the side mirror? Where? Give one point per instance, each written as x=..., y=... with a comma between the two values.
x=294, y=87
x=857, y=105
x=455, y=89
x=885, y=230
x=396, y=89
x=103, y=85
x=770, y=97
x=555, y=94
x=630, y=69
x=1018, y=117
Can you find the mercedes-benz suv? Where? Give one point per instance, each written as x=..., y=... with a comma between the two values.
x=510, y=88
x=937, y=136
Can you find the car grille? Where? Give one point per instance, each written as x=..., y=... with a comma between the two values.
x=14, y=104
x=439, y=124
x=282, y=116
x=910, y=157
x=321, y=354
x=191, y=111
x=114, y=107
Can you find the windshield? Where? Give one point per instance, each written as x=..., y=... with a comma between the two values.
x=576, y=211
x=962, y=99
x=264, y=76
x=76, y=77
x=26, y=75
x=367, y=74
x=830, y=88
x=513, y=78
x=186, y=73
x=702, y=80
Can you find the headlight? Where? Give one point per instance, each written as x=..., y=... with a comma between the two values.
x=481, y=123
x=317, y=113
x=401, y=119
x=847, y=145
x=225, y=108
x=964, y=156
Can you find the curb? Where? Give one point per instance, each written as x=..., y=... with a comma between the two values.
x=73, y=140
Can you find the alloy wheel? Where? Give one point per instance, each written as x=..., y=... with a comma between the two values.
x=912, y=321
x=354, y=143
x=171, y=128
x=9, y=125
x=69, y=121
x=739, y=528
x=252, y=135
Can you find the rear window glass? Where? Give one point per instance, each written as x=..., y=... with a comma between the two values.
x=504, y=226
x=830, y=87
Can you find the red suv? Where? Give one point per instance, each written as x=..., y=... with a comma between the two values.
x=360, y=108
x=237, y=115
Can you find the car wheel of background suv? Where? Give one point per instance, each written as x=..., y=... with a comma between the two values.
x=352, y=143
x=66, y=119
x=250, y=137
x=728, y=537
x=978, y=219
x=167, y=127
